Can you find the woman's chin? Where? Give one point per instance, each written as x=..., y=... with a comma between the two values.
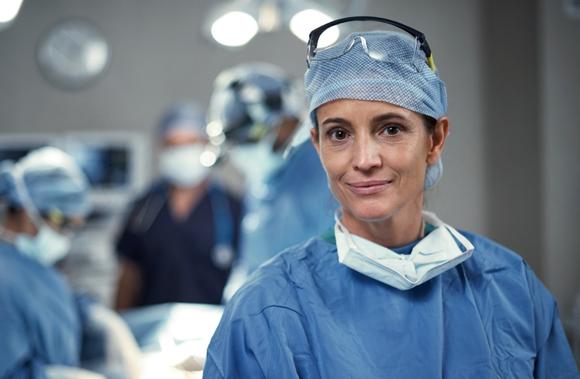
x=371, y=213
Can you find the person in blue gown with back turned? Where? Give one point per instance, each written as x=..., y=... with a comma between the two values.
x=45, y=329
x=391, y=291
x=255, y=111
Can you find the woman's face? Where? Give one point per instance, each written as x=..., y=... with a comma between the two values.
x=375, y=155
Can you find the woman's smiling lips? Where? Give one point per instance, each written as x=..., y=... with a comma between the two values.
x=368, y=187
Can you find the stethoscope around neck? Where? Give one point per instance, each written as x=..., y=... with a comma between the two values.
x=222, y=254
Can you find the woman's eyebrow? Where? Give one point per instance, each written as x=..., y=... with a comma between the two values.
x=335, y=120
x=388, y=117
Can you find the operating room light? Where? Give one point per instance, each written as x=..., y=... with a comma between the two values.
x=9, y=9
x=234, y=23
x=208, y=158
x=305, y=20
x=214, y=129
x=234, y=28
x=96, y=56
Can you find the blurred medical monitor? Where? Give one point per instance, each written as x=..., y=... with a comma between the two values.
x=116, y=164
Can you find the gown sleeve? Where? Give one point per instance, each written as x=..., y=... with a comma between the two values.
x=142, y=212
x=554, y=357
x=28, y=370
x=17, y=359
x=127, y=244
x=233, y=352
x=270, y=344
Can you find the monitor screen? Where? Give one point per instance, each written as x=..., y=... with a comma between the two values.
x=105, y=166
x=14, y=153
x=116, y=164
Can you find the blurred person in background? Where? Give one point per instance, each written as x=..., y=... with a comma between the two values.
x=45, y=329
x=181, y=236
x=257, y=110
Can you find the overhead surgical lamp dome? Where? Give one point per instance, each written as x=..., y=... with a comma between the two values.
x=234, y=28
x=235, y=23
x=303, y=21
x=8, y=11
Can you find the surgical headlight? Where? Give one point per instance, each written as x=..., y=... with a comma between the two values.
x=249, y=103
x=328, y=31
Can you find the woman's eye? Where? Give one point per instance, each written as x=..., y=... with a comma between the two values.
x=337, y=134
x=392, y=130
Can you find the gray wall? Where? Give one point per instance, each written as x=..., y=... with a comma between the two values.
x=512, y=132
x=560, y=136
x=158, y=57
x=510, y=74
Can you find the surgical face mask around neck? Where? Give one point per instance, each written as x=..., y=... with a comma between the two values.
x=47, y=246
x=257, y=161
x=181, y=165
x=441, y=250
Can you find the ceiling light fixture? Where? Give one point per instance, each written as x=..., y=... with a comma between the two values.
x=235, y=23
x=234, y=28
x=302, y=22
x=8, y=11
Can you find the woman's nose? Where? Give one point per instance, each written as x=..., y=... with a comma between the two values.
x=366, y=154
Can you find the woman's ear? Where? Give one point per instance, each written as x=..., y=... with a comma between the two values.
x=438, y=138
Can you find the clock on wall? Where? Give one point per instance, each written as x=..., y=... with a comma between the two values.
x=73, y=54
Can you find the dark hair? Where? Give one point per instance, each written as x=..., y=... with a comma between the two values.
x=13, y=209
x=429, y=122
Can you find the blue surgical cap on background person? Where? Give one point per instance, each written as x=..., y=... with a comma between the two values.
x=52, y=180
x=378, y=66
x=186, y=117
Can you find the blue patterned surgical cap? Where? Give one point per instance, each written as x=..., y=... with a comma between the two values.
x=51, y=180
x=184, y=117
x=377, y=66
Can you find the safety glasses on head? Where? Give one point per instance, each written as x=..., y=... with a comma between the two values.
x=61, y=223
x=328, y=33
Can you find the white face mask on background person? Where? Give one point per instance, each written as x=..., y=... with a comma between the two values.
x=441, y=250
x=47, y=246
x=181, y=165
x=256, y=161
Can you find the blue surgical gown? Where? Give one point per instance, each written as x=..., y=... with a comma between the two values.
x=304, y=315
x=40, y=322
x=292, y=205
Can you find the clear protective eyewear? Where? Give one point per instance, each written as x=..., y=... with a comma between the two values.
x=326, y=36
x=63, y=225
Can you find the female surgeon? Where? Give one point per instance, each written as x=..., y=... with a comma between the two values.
x=391, y=291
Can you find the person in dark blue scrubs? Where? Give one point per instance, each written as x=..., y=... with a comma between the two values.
x=391, y=291
x=181, y=236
